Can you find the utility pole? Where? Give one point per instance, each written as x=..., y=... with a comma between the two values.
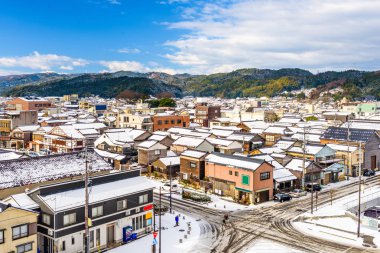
x=360, y=183
x=348, y=147
x=170, y=190
x=159, y=233
x=86, y=241
x=304, y=157
x=312, y=191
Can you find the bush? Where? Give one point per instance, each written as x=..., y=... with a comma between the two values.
x=195, y=196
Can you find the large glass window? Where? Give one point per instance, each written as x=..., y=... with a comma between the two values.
x=20, y=231
x=264, y=175
x=24, y=248
x=69, y=219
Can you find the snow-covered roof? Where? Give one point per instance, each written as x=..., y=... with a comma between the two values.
x=283, y=175
x=339, y=147
x=45, y=168
x=296, y=164
x=90, y=131
x=21, y=200
x=150, y=143
x=283, y=144
x=275, y=130
x=188, y=142
x=99, y=193
x=193, y=153
x=309, y=149
x=30, y=128
x=271, y=150
x=106, y=154
x=234, y=161
x=309, y=137
x=171, y=160
x=8, y=155
x=289, y=120
x=157, y=137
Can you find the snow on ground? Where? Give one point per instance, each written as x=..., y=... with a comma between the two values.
x=170, y=237
x=267, y=246
x=335, y=223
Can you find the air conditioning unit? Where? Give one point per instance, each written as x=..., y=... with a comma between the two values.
x=50, y=232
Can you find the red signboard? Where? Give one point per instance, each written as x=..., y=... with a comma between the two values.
x=148, y=207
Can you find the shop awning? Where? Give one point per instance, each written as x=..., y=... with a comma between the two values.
x=243, y=190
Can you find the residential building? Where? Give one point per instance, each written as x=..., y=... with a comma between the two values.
x=18, y=229
x=150, y=150
x=118, y=203
x=184, y=143
x=204, y=113
x=164, y=121
x=167, y=167
x=28, y=104
x=192, y=166
x=245, y=179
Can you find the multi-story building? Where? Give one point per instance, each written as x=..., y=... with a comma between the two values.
x=204, y=113
x=119, y=203
x=163, y=121
x=10, y=120
x=247, y=180
x=18, y=229
x=28, y=104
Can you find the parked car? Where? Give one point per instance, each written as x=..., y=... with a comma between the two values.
x=296, y=193
x=166, y=187
x=368, y=173
x=281, y=197
x=373, y=212
x=313, y=186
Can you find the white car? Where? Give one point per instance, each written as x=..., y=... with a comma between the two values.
x=166, y=187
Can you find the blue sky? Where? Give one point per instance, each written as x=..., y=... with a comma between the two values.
x=177, y=36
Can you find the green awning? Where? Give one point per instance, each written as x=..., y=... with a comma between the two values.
x=243, y=190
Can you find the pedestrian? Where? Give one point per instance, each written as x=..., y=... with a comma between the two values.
x=226, y=217
x=176, y=221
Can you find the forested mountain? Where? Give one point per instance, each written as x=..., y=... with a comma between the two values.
x=239, y=83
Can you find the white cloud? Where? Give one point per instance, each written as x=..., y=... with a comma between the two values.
x=116, y=2
x=42, y=62
x=312, y=34
x=129, y=50
x=114, y=66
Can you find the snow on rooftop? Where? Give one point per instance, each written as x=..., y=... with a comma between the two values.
x=193, y=153
x=99, y=193
x=235, y=161
x=171, y=160
x=107, y=154
x=188, y=142
x=21, y=200
x=282, y=175
x=45, y=168
x=296, y=164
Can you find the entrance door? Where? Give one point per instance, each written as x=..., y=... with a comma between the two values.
x=110, y=235
x=373, y=162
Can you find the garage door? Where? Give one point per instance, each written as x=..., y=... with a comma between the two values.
x=263, y=196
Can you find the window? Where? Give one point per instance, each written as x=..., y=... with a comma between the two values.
x=143, y=199
x=245, y=179
x=24, y=248
x=269, y=138
x=179, y=121
x=264, y=175
x=166, y=122
x=172, y=121
x=121, y=204
x=236, y=173
x=97, y=237
x=63, y=245
x=92, y=239
x=69, y=219
x=160, y=122
x=20, y=231
x=157, y=152
x=230, y=172
x=72, y=240
x=97, y=211
x=193, y=165
x=1, y=236
x=46, y=218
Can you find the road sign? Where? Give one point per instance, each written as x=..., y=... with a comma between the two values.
x=155, y=235
x=154, y=241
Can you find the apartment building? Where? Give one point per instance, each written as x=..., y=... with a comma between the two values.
x=163, y=121
x=28, y=104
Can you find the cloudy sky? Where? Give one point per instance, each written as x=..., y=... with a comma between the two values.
x=177, y=36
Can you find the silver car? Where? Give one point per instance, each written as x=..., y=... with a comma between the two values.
x=296, y=193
